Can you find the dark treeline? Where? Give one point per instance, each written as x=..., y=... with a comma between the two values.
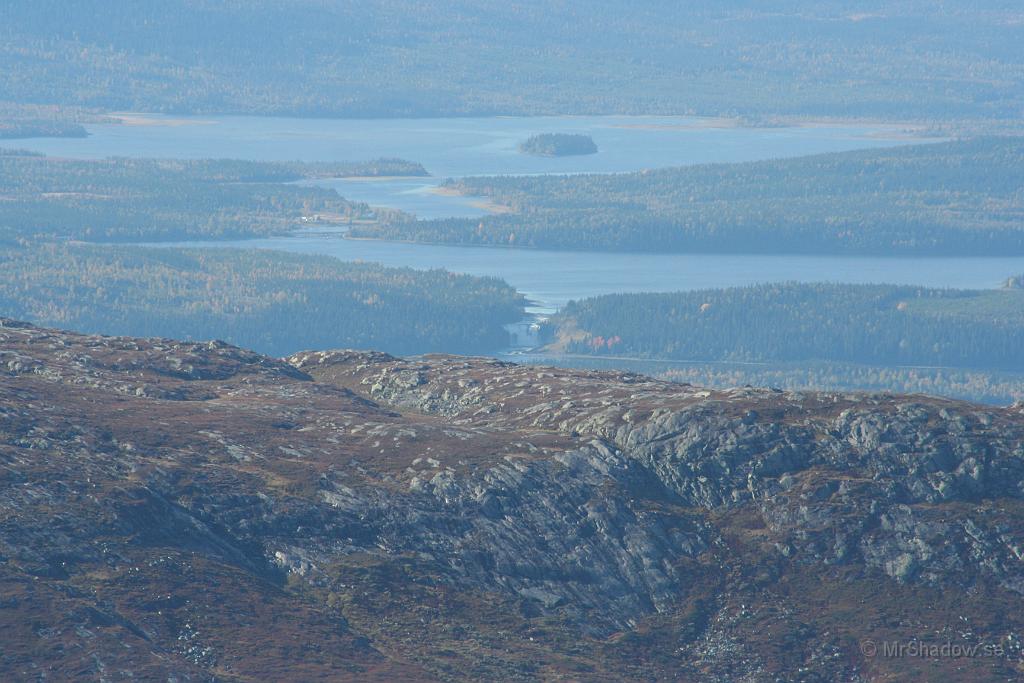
x=156, y=200
x=408, y=58
x=10, y=130
x=986, y=386
x=24, y=120
x=276, y=303
x=953, y=198
x=347, y=169
x=871, y=324
x=9, y=152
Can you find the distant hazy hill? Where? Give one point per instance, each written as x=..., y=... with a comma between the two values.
x=402, y=58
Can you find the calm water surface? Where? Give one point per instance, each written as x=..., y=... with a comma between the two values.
x=552, y=278
x=452, y=148
x=487, y=146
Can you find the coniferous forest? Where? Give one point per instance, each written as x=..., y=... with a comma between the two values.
x=386, y=58
x=123, y=200
x=953, y=198
x=277, y=303
x=375, y=341
x=871, y=324
x=274, y=302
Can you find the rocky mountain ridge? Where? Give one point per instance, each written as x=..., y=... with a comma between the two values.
x=200, y=512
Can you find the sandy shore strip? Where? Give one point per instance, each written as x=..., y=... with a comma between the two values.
x=477, y=203
x=127, y=118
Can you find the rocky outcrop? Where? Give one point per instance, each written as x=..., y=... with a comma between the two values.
x=460, y=519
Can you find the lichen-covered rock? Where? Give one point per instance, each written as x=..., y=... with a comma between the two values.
x=195, y=510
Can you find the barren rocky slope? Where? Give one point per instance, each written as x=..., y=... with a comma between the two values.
x=199, y=512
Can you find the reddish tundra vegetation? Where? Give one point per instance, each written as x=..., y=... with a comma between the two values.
x=198, y=510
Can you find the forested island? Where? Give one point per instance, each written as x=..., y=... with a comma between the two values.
x=951, y=198
x=119, y=200
x=275, y=302
x=558, y=145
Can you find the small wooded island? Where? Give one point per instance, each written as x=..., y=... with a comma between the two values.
x=558, y=145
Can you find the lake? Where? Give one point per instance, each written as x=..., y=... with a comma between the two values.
x=458, y=147
x=552, y=278
x=481, y=146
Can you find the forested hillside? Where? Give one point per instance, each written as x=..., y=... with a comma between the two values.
x=405, y=58
x=153, y=200
x=953, y=198
x=12, y=130
x=27, y=120
x=872, y=324
x=275, y=302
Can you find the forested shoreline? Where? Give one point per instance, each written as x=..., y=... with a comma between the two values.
x=274, y=302
x=26, y=120
x=278, y=303
x=954, y=198
x=136, y=200
x=15, y=130
x=789, y=323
